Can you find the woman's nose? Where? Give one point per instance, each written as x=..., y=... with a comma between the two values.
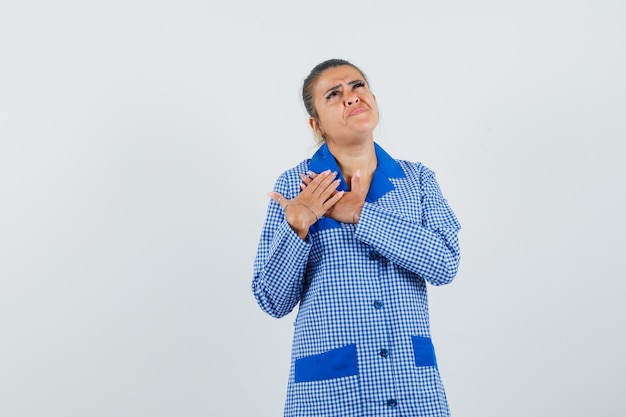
x=352, y=100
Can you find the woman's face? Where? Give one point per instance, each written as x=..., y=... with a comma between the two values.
x=345, y=106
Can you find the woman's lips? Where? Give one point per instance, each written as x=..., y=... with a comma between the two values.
x=356, y=111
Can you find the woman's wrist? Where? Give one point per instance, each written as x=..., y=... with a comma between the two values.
x=301, y=204
x=357, y=215
x=300, y=220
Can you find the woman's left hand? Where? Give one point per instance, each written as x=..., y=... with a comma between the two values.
x=348, y=209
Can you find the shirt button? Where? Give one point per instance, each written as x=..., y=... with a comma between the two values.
x=392, y=403
x=384, y=353
x=378, y=304
x=374, y=255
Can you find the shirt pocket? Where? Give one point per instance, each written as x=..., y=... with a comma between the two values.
x=335, y=363
x=424, y=351
x=339, y=397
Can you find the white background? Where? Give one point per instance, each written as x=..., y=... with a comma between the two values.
x=138, y=140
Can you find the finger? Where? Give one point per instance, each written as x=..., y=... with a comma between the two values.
x=328, y=204
x=355, y=183
x=306, y=180
x=327, y=186
x=323, y=177
x=303, y=185
x=330, y=189
x=277, y=197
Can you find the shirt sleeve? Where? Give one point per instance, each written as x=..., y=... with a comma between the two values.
x=430, y=248
x=280, y=262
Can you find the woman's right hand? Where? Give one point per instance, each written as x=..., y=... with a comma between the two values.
x=313, y=202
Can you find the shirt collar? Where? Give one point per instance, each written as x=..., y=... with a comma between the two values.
x=387, y=168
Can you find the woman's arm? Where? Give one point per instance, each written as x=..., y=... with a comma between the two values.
x=430, y=248
x=281, y=259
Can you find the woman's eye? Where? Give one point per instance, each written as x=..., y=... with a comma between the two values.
x=358, y=84
x=332, y=94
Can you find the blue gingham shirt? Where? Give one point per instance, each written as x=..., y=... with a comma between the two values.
x=362, y=343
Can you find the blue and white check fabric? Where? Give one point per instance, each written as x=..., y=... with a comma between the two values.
x=361, y=343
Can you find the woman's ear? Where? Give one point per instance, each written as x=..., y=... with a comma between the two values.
x=317, y=132
x=315, y=126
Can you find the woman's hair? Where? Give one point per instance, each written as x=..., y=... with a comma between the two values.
x=311, y=79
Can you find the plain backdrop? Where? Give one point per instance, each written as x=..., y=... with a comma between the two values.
x=138, y=140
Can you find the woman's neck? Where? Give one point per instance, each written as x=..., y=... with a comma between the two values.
x=361, y=157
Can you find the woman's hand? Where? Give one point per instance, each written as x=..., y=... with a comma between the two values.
x=348, y=209
x=313, y=202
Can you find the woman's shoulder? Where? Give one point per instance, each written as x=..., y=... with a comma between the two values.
x=416, y=170
x=295, y=171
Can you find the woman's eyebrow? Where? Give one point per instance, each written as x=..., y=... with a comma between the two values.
x=338, y=86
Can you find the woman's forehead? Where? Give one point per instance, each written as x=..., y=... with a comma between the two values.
x=337, y=75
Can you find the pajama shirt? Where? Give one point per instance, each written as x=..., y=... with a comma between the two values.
x=362, y=343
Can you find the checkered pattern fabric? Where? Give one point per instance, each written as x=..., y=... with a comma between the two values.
x=362, y=286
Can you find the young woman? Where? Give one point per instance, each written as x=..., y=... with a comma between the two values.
x=354, y=236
